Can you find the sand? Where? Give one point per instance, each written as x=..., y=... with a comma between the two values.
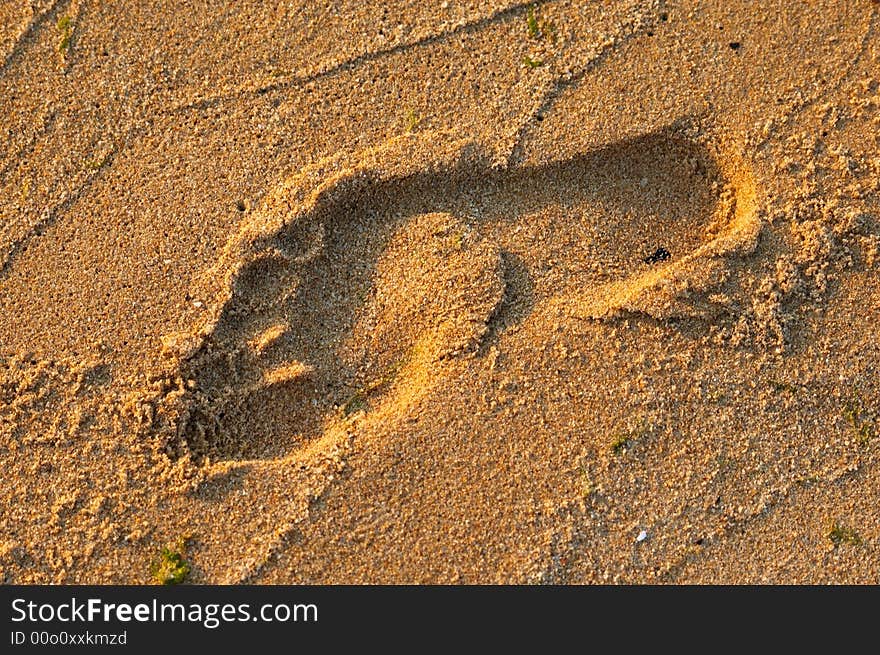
x=446, y=292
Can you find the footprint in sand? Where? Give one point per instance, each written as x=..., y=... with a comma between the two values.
x=355, y=286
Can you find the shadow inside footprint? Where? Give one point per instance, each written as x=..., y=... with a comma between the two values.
x=349, y=280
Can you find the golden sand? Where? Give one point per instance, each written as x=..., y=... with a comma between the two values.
x=566, y=292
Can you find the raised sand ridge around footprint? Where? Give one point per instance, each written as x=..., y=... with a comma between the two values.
x=355, y=284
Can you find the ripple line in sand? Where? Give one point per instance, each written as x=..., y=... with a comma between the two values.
x=558, y=86
x=48, y=217
x=799, y=107
x=328, y=70
x=30, y=29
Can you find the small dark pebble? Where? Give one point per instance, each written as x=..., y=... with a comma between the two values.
x=734, y=45
x=240, y=205
x=659, y=255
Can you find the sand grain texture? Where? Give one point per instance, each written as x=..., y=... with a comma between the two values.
x=425, y=294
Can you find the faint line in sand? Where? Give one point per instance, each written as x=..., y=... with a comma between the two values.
x=49, y=216
x=328, y=70
x=777, y=499
x=30, y=29
x=48, y=120
x=807, y=102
